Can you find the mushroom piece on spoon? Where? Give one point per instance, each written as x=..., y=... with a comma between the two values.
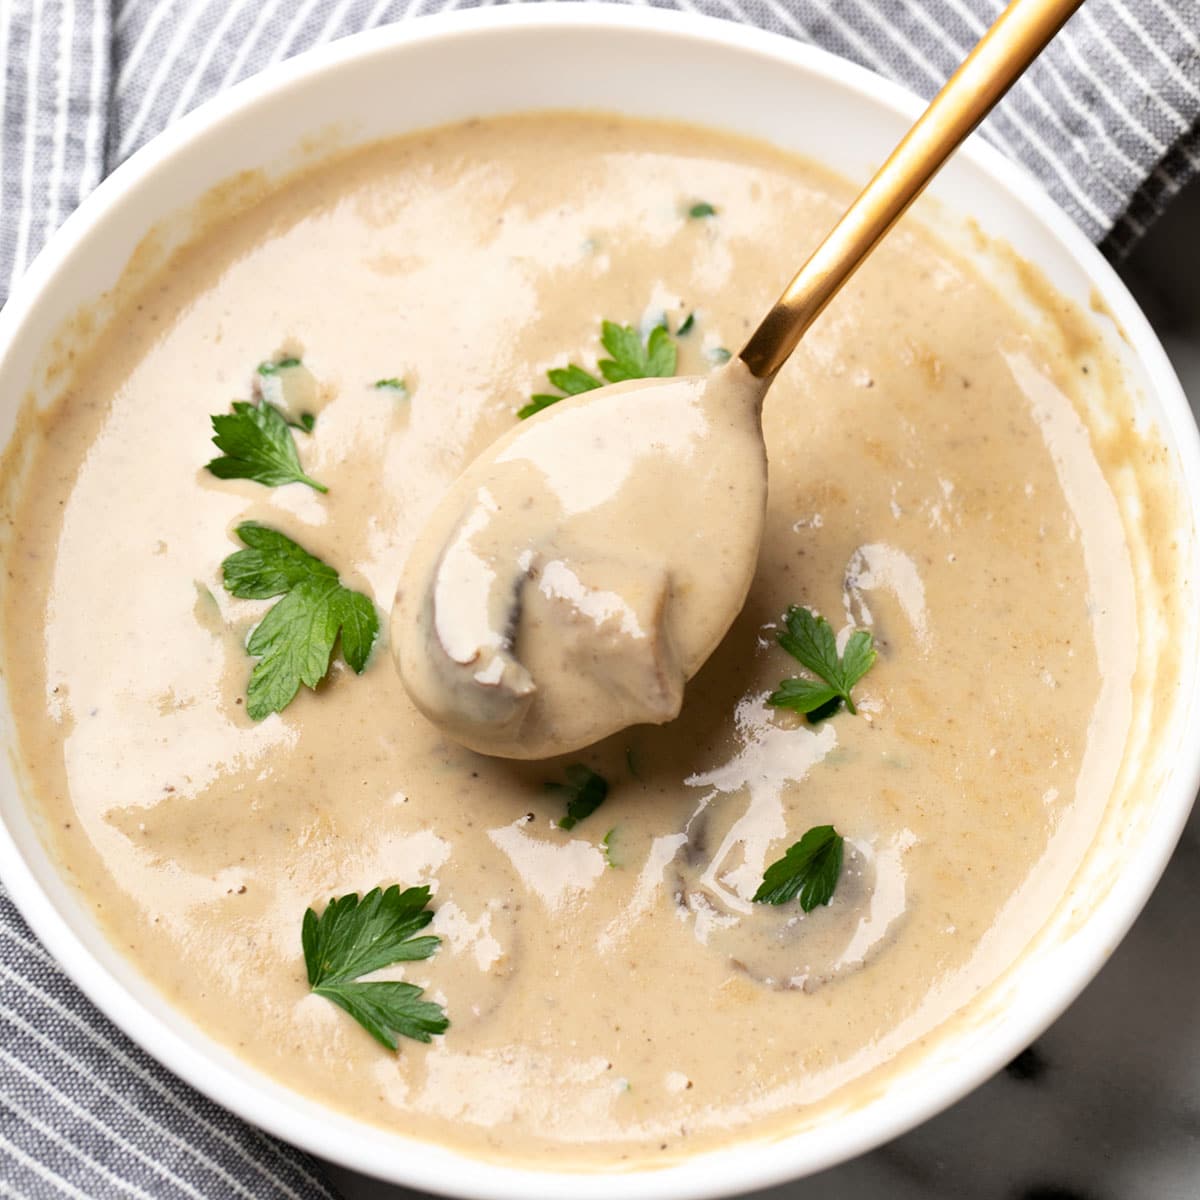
x=584, y=567
x=582, y=570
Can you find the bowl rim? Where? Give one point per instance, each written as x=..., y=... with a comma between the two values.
x=749, y=1164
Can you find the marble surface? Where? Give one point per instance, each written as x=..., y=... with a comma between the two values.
x=1106, y=1105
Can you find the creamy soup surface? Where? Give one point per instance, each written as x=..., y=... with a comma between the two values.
x=614, y=996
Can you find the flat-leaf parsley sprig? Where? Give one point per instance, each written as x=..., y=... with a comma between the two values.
x=256, y=443
x=809, y=639
x=294, y=642
x=632, y=357
x=354, y=937
x=810, y=869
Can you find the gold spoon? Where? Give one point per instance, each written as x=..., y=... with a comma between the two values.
x=1003, y=54
x=586, y=565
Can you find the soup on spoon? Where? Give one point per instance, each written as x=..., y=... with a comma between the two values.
x=586, y=565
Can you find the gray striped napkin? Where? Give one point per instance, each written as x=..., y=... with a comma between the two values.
x=1108, y=120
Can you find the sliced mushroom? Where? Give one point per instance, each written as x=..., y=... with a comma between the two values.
x=784, y=947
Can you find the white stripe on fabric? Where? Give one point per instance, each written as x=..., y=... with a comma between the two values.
x=336, y=15
x=61, y=1097
x=375, y=16
x=1128, y=125
x=1189, y=36
x=52, y=1135
x=284, y=45
x=287, y=1155
x=115, y=1049
x=127, y=11
x=413, y=9
x=1114, y=48
x=233, y=10
x=127, y=75
x=1030, y=133
x=233, y=72
x=166, y=63
x=66, y=35
x=7, y=15
x=25, y=219
x=1047, y=62
x=893, y=37
x=1156, y=51
x=32, y=1165
x=93, y=167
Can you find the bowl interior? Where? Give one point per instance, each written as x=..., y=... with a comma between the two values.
x=638, y=62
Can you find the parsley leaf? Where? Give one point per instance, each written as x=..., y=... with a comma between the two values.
x=258, y=445
x=686, y=327
x=273, y=368
x=584, y=792
x=353, y=937
x=399, y=386
x=629, y=358
x=810, y=869
x=700, y=210
x=810, y=640
x=633, y=359
x=294, y=642
x=606, y=843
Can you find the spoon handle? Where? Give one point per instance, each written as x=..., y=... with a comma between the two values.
x=1002, y=55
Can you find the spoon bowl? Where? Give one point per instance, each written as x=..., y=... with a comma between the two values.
x=570, y=554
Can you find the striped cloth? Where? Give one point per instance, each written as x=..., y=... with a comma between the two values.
x=1108, y=120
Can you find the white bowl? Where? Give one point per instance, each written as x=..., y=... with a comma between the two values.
x=650, y=63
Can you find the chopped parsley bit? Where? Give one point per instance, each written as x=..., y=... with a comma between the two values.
x=257, y=444
x=700, y=210
x=810, y=869
x=686, y=327
x=607, y=843
x=631, y=358
x=354, y=937
x=391, y=385
x=294, y=642
x=306, y=422
x=718, y=355
x=584, y=792
x=273, y=368
x=809, y=639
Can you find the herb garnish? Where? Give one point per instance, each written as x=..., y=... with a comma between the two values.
x=607, y=843
x=701, y=209
x=718, y=355
x=810, y=640
x=391, y=385
x=686, y=327
x=294, y=642
x=631, y=762
x=631, y=358
x=257, y=444
x=810, y=869
x=584, y=792
x=353, y=937
x=273, y=368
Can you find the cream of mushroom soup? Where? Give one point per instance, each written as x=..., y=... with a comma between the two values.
x=615, y=996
